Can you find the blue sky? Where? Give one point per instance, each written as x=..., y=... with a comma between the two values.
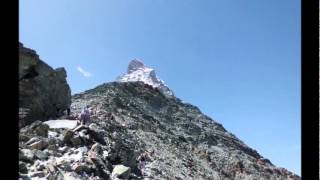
x=238, y=61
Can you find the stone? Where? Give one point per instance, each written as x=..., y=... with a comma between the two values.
x=61, y=124
x=26, y=155
x=39, y=174
x=32, y=140
x=65, y=165
x=95, y=157
x=57, y=175
x=40, y=155
x=70, y=176
x=23, y=176
x=96, y=147
x=41, y=167
x=80, y=128
x=63, y=149
x=83, y=149
x=75, y=156
x=83, y=133
x=105, y=154
x=67, y=136
x=94, y=127
x=34, y=124
x=40, y=145
x=52, y=141
x=96, y=136
x=52, y=134
x=76, y=140
x=81, y=167
x=120, y=171
x=51, y=167
x=52, y=147
x=23, y=167
x=23, y=138
x=42, y=130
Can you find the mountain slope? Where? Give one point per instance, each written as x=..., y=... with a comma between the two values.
x=135, y=121
x=187, y=143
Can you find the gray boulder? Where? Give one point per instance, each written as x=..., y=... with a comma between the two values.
x=23, y=138
x=26, y=155
x=40, y=145
x=22, y=167
x=67, y=136
x=40, y=155
x=38, y=174
x=81, y=167
x=42, y=130
x=120, y=171
x=76, y=140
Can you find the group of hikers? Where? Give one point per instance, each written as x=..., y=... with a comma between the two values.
x=84, y=116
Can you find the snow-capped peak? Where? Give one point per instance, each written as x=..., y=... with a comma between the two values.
x=135, y=65
x=137, y=71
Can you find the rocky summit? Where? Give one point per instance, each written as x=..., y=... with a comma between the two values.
x=137, y=71
x=137, y=132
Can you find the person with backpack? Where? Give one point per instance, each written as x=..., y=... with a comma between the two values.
x=85, y=115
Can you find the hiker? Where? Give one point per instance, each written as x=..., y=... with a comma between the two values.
x=109, y=116
x=68, y=111
x=142, y=161
x=85, y=115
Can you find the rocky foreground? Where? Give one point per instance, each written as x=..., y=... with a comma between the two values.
x=138, y=133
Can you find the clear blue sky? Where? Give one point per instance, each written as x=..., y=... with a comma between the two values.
x=238, y=61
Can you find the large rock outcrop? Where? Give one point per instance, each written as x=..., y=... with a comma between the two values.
x=43, y=91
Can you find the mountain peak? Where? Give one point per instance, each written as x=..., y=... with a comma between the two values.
x=138, y=71
x=134, y=65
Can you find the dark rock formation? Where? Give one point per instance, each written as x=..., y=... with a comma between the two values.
x=43, y=91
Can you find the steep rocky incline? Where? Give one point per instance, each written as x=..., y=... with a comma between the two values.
x=43, y=91
x=187, y=143
x=176, y=140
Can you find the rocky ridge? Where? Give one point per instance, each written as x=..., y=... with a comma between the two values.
x=179, y=140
